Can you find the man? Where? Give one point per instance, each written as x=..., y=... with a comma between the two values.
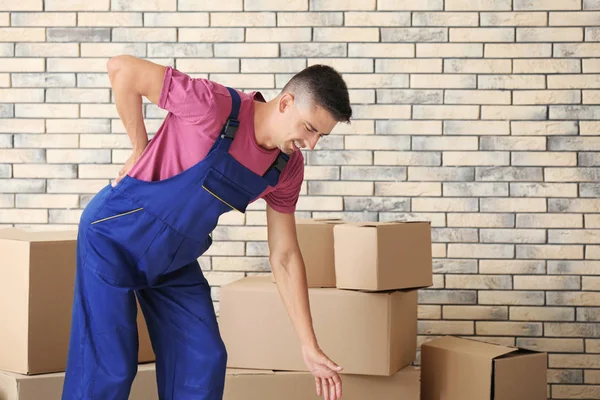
x=217, y=150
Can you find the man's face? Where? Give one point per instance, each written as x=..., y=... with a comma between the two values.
x=304, y=124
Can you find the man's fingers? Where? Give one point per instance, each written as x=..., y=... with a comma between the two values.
x=325, y=389
x=331, y=389
x=318, y=384
x=338, y=385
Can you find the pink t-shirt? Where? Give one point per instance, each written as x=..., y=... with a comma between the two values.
x=197, y=110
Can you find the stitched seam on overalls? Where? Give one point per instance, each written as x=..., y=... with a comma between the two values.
x=217, y=197
x=117, y=215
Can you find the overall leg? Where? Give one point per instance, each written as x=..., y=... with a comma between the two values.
x=103, y=348
x=190, y=354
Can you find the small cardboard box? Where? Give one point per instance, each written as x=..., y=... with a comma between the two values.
x=366, y=333
x=37, y=274
x=315, y=238
x=464, y=369
x=15, y=386
x=378, y=256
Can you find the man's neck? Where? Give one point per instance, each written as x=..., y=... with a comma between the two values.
x=262, y=131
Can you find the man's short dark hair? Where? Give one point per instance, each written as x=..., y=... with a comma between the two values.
x=325, y=87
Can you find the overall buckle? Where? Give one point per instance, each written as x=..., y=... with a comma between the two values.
x=281, y=161
x=230, y=128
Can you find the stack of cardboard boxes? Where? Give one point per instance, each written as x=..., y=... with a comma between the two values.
x=363, y=280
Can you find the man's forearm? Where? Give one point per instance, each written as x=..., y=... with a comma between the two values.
x=290, y=275
x=129, y=106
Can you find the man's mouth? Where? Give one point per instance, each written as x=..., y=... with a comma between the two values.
x=297, y=145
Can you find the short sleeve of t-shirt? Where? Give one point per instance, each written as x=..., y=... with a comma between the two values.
x=187, y=97
x=284, y=197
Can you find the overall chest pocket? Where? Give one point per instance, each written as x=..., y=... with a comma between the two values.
x=226, y=191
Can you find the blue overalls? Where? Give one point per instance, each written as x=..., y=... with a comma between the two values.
x=144, y=238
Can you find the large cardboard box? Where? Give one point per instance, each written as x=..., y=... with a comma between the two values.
x=463, y=369
x=365, y=333
x=380, y=256
x=315, y=239
x=49, y=386
x=37, y=274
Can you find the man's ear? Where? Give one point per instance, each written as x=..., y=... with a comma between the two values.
x=285, y=101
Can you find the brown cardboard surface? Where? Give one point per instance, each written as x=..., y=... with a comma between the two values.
x=15, y=386
x=379, y=256
x=37, y=274
x=315, y=238
x=453, y=368
x=365, y=333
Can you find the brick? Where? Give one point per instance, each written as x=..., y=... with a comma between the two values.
x=447, y=113
x=479, y=158
x=592, y=252
x=146, y=34
x=415, y=158
x=420, y=35
x=591, y=97
x=512, y=236
x=340, y=188
x=210, y=5
x=438, y=204
x=511, y=82
x=511, y=267
x=443, y=143
x=576, y=391
x=591, y=5
x=547, y=283
x=357, y=127
x=592, y=221
x=427, y=296
x=480, y=251
x=45, y=141
x=445, y=19
x=574, y=361
x=267, y=5
x=547, y=5
x=477, y=97
x=309, y=19
x=559, y=252
x=77, y=95
x=142, y=5
x=508, y=174
x=429, y=312
x=574, y=82
x=544, y=159
x=447, y=50
x=543, y=190
x=25, y=5
x=108, y=49
x=8, y=49
x=452, y=189
x=481, y=220
x=454, y=266
x=476, y=128
x=408, y=65
x=436, y=219
x=574, y=143
x=42, y=80
x=513, y=205
x=15, y=185
x=211, y=65
x=446, y=235
x=43, y=19
x=244, y=80
x=257, y=50
x=475, y=312
x=484, y=35
x=26, y=216
x=581, y=18
x=78, y=156
x=94, y=171
x=573, y=236
x=549, y=34
x=591, y=66
x=573, y=205
x=77, y=65
x=114, y=19
x=513, y=19
x=7, y=110
x=376, y=203
x=544, y=128
x=514, y=112
x=373, y=173
x=22, y=65
x=77, y=126
x=577, y=50
x=78, y=34
x=240, y=19
x=343, y=64
x=592, y=376
x=226, y=249
x=540, y=313
x=321, y=173
x=552, y=66
x=572, y=174
x=22, y=155
x=588, y=314
x=241, y=264
x=381, y=111
x=477, y=66
x=345, y=34
x=15, y=34
x=408, y=189
x=377, y=142
x=478, y=282
x=22, y=95
x=379, y=81
x=443, y=81
x=509, y=328
x=547, y=97
x=337, y=5
x=378, y=19
x=220, y=35
x=7, y=201
x=268, y=65
x=574, y=299
x=513, y=297
x=445, y=327
x=399, y=50
x=183, y=50
x=440, y=174
x=550, y=345
x=477, y=5
x=409, y=96
x=512, y=143
x=520, y=50
x=409, y=127
x=410, y=5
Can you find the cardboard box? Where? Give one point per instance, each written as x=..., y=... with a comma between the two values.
x=366, y=333
x=463, y=369
x=380, y=256
x=315, y=238
x=49, y=386
x=37, y=274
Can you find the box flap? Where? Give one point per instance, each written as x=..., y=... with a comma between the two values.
x=244, y=371
x=520, y=375
x=470, y=346
x=37, y=236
